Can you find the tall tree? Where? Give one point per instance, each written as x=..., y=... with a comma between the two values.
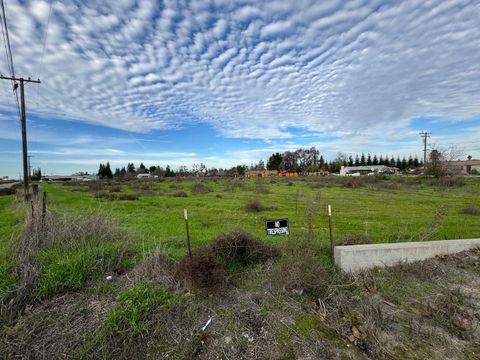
x=321, y=162
x=108, y=171
x=357, y=160
x=385, y=162
x=363, y=161
x=375, y=160
x=369, y=159
x=274, y=161
x=130, y=168
x=350, y=160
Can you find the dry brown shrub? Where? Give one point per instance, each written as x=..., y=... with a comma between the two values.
x=300, y=267
x=200, y=188
x=448, y=181
x=254, y=205
x=470, y=210
x=156, y=268
x=180, y=194
x=9, y=191
x=95, y=186
x=113, y=197
x=127, y=197
x=232, y=185
x=203, y=270
x=261, y=188
x=241, y=247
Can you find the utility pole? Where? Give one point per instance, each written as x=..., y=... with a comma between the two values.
x=425, y=135
x=24, y=124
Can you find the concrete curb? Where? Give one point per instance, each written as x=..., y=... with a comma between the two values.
x=353, y=258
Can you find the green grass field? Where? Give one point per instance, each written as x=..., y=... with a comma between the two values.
x=90, y=235
x=409, y=211
x=377, y=212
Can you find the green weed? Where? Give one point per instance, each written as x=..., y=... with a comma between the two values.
x=134, y=305
x=70, y=269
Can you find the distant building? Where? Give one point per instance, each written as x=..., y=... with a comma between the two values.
x=68, y=178
x=367, y=170
x=268, y=173
x=464, y=166
x=143, y=176
x=288, y=173
x=261, y=173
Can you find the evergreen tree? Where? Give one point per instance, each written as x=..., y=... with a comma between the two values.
x=375, y=160
x=398, y=163
x=381, y=161
x=117, y=173
x=363, y=160
x=321, y=162
x=404, y=163
x=101, y=171
x=152, y=169
x=274, y=161
x=36, y=174
x=169, y=172
x=410, y=162
x=357, y=160
x=350, y=161
x=130, y=168
x=108, y=171
x=369, y=159
x=386, y=162
x=392, y=162
x=416, y=163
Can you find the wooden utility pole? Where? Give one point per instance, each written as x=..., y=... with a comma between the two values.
x=425, y=135
x=24, y=124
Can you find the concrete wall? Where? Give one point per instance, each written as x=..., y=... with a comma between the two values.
x=356, y=257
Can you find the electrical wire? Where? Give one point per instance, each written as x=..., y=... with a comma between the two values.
x=44, y=47
x=8, y=52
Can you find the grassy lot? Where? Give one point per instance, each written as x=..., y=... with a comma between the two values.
x=402, y=209
x=11, y=217
x=98, y=261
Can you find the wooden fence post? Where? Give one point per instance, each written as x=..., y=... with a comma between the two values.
x=332, y=245
x=188, y=234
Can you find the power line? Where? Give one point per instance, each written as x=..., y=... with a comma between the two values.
x=44, y=46
x=8, y=53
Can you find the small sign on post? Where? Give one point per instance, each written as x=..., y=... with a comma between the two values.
x=277, y=227
x=185, y=213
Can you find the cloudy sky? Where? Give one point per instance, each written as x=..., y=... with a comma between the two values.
x=227, y=82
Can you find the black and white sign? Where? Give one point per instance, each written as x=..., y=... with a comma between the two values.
x=277, y=227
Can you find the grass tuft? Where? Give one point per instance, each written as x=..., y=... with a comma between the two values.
x=134, y=305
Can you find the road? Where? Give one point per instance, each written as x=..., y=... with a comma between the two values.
x=8, y=185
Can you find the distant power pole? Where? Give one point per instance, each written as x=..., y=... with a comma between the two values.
x=24, y=123
x=425, y=135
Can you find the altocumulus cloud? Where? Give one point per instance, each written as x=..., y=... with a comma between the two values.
x=248, y=68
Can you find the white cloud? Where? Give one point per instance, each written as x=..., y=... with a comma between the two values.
x=249, y=69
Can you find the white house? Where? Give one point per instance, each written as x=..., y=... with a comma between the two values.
x=367, y=169
x=143, y=176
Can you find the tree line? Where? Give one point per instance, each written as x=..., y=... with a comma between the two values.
x=130, y=171
x=308, y=160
